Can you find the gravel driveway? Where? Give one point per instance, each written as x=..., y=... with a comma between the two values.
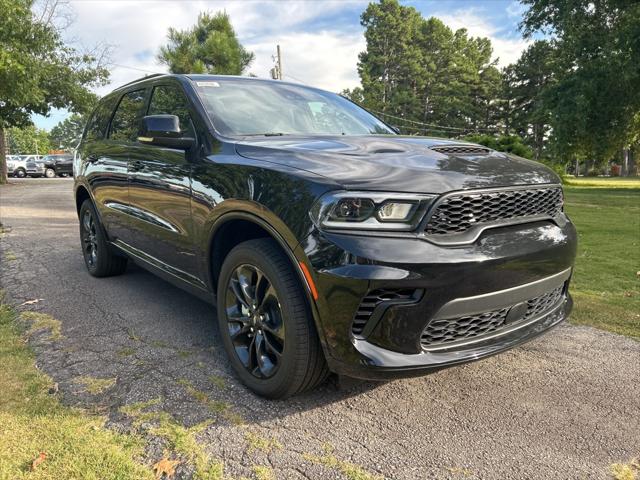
x=566, y=405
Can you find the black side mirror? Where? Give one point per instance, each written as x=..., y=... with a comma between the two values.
x=164, y=131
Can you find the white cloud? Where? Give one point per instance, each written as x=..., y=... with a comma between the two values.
x=325, y=59
x=318, y=50
x=321, y=58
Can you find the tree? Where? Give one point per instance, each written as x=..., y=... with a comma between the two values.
x=66, y=134
x=527, y=84
x=38, y=71
x=595, y=100
x=420, y=70
x=28, y=140
x=210, y=46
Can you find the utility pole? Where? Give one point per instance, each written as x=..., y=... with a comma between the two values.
x=280, y=74
x=276, y=71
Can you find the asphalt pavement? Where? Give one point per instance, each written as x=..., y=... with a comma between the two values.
x=564, y=406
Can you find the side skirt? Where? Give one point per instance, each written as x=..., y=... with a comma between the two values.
x=176, y=277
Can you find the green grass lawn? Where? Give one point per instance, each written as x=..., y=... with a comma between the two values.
x=606, y=280
x=42, y=439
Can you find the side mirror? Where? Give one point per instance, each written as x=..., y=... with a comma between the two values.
x=395, y=129
x=164, y=131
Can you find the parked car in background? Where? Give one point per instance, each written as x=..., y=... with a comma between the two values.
x=16, y=166
x=34, y=169
x=57, y=165
x=329, y=242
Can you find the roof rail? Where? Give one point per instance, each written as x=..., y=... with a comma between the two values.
x=146, y=77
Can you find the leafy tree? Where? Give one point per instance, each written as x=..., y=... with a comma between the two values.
x=388, y=68
x=595, y=100
x=66, y=134
x=210, y=46
x=527, y=83
x=38, y=71
x=420, y=70
x=28, y=140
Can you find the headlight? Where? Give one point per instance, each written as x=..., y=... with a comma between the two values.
x=370, y=210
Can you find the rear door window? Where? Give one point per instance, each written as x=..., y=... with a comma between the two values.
x=125, y=125
x=99, y=121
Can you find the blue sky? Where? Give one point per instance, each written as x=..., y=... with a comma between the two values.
x=320, y=39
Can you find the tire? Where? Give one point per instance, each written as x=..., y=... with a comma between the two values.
x=286, y=327
x=20, y=173
x=50, y=173
x=98, y=255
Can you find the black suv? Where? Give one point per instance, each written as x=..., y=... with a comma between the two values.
x=327, y=241
x=56, y=165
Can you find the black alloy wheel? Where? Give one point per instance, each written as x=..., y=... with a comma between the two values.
x=89, y=239
x=254, y=321
x=265, y=321
x=100, y=259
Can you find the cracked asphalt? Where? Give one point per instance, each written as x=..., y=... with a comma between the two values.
x=564, y=406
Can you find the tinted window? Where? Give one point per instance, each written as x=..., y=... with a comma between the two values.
x=169, y=100
x=97, y=125
x=126, y=121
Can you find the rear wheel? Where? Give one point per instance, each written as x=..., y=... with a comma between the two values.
x=265, y=322
x=50, y=173
x=98, y=256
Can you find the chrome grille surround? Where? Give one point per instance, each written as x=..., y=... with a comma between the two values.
x=461, y=212
x=447, y=333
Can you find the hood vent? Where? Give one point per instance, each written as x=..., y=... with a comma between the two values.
x=461, y=150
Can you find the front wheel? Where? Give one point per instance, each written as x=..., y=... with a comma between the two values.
x=50, y=173
x=98, y=256
x=20, y=173
x=265, y=322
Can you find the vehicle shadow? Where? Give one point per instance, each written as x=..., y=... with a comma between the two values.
x=163, y=343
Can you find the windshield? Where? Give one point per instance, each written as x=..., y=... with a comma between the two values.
x=240, y=107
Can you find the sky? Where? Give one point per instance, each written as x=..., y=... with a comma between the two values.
x=320, y=39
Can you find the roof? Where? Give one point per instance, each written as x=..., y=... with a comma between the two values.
x=205, y=77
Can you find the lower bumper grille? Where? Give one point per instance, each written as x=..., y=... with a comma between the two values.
x=445, y=332
x=375, y=298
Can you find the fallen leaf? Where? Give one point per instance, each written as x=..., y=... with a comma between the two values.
x=53, y=389
x=628, y=294
x=31, y=302
x=165, y=467
x=38, y=460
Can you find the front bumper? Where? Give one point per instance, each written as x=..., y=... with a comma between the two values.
x=504, y=267
x=35, y=170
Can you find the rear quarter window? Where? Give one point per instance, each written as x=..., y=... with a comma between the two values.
x=99, y=120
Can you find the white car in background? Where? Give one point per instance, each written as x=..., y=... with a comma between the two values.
x=17, y=166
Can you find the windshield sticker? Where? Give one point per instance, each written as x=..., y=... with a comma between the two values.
x=208, y=84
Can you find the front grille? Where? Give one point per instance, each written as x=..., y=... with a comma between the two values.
x=442, y=332
x=460, y=212
x=461, y=149
x=375, y=298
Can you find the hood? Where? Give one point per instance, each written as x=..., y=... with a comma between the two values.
x=397, y=163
